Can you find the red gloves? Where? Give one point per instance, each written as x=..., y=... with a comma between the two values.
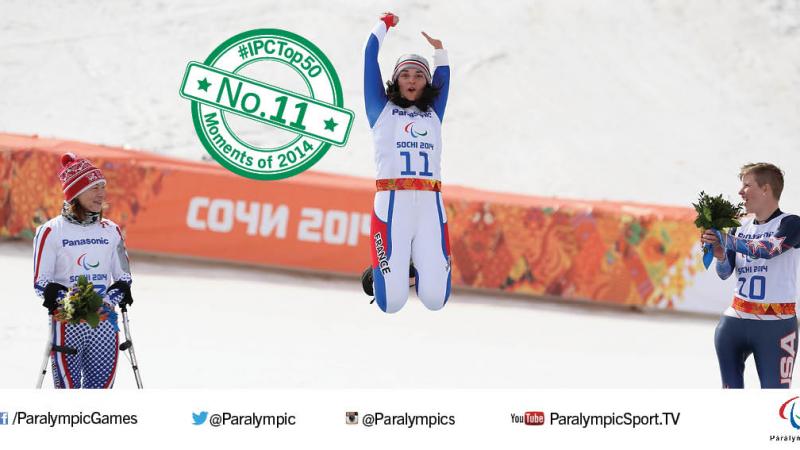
x=389, y=19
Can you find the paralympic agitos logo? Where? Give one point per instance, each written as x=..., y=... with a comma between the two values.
x=409, y=128
x=86, y=266
x=792, y=417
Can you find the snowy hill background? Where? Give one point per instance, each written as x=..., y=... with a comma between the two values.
x=634, y=100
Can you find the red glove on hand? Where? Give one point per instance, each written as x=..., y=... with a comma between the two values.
x=389, y=19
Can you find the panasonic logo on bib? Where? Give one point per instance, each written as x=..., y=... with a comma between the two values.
x=71, y=243
x=412, y=114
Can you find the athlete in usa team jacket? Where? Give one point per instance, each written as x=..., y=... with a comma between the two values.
x=762, y=254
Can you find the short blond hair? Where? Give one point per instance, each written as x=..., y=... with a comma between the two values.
x=765, y=173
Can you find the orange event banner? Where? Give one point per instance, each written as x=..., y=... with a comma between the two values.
x=601, y=251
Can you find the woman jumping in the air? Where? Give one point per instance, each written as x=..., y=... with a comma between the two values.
x=79, y=241
x=408, y=221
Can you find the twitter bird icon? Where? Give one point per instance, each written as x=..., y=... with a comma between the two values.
x=200, y=419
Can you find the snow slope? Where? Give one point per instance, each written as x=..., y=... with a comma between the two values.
x=203, y=326
x=638, y=100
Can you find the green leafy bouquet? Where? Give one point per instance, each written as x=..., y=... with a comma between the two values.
x=715, y=213
x=81, y=304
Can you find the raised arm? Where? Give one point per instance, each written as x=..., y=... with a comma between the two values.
x=374, y=94
x=441, y=75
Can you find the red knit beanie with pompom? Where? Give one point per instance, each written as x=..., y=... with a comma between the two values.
x=77, y=175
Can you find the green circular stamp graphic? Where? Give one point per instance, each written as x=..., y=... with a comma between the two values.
x=235, y=104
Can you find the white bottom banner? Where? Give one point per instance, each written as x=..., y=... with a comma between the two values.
x=394, y=419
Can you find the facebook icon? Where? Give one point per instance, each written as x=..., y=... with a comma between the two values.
x=3, y=418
